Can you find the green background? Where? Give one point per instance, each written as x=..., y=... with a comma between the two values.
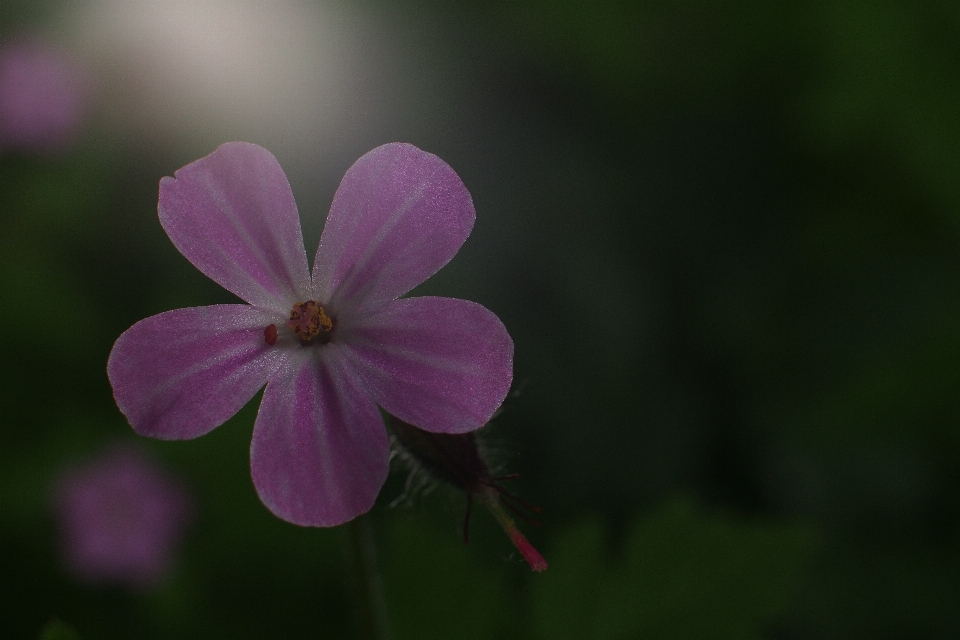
x=725, y=238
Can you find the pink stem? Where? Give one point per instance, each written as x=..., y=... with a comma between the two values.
x=492, y=501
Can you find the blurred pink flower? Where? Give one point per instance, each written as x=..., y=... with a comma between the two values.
x=121, y=518
x=330, y=346
x=43, y=96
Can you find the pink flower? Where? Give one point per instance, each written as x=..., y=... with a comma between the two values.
x=330, y=346
x=42, y=97
x=121, y=519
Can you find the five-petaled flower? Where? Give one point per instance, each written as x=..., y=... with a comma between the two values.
x=331, y=345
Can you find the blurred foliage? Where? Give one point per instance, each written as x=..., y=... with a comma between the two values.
x=725, y=240
x=680, y=573
x=428, y=573
x=57, y=630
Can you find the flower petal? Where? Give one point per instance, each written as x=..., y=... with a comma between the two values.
x=320, y=451
x=179, y=374
x=398, y=216
x=441, y=364
x=232, y=215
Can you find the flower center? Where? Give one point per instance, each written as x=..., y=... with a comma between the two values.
x=308, y=320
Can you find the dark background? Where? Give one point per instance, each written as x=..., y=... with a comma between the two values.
x=725, y=238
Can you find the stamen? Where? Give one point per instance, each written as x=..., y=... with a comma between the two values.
x=308, y=320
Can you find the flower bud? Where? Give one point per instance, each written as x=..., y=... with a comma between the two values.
x=456, y=460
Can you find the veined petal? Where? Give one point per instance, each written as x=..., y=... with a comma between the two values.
x=320, y=451
x=441, y=364
x=179, y=374
x=398, y=216
x=232, y=215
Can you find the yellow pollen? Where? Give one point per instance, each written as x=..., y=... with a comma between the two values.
x=308, y=319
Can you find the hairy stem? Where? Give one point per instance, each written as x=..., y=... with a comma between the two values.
x=370, y=605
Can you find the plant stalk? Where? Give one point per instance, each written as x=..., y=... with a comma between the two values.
x=370, y=605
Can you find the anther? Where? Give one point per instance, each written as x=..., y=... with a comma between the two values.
x=270, y=335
